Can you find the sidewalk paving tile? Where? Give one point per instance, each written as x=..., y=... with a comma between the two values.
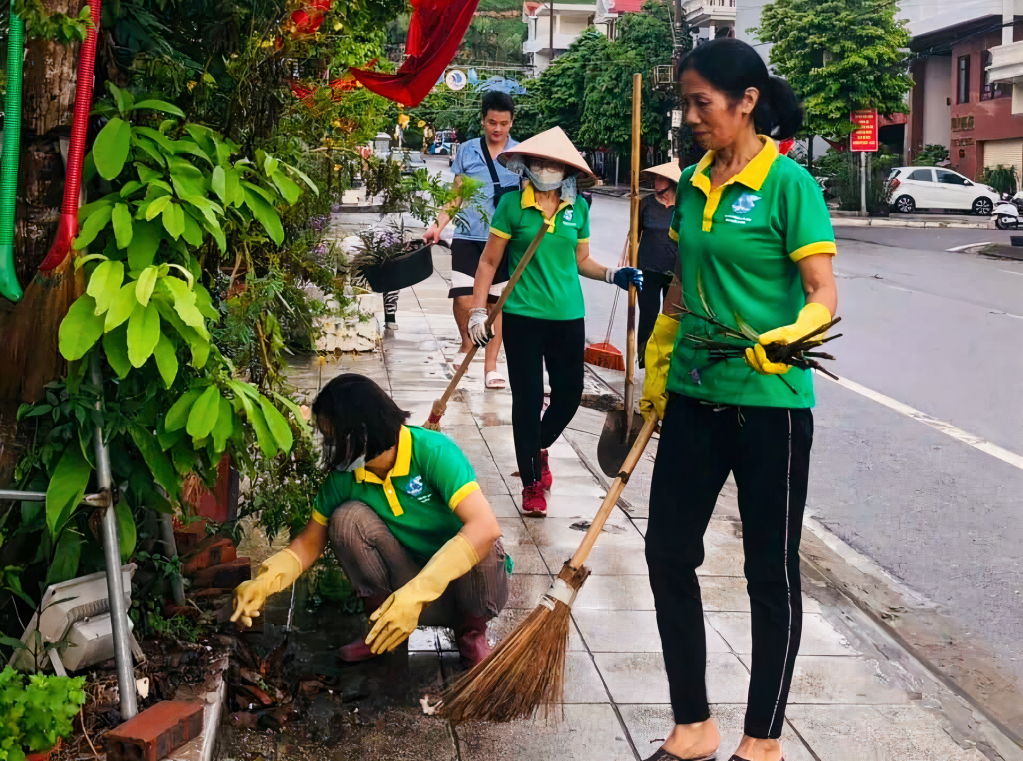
x=640, y=677
x=818, y=636
x=613, y=631
x=650, y=724
x=877, y=733
x=587, y=733
x=615, y=593
x=852, y=680
x=553, y=532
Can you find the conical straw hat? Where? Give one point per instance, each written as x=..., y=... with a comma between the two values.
x=552, y=144
x=670, y=171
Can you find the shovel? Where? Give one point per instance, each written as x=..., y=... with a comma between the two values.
x=622, y=426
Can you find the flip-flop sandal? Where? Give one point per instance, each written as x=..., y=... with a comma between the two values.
x=663, y=755
x=495, y=380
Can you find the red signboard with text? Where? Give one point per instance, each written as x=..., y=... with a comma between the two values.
x=864, y=137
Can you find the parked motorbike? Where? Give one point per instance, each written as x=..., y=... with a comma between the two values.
x=1007, y=212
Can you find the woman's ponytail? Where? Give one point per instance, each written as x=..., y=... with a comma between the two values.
x=733, y=67
x=779, y=112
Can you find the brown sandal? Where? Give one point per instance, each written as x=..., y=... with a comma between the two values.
x=663, y=755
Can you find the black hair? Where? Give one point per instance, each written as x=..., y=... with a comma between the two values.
x=732, y=66
x=359, y=417
x=495, y=100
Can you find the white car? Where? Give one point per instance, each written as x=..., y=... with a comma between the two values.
x=931, y=187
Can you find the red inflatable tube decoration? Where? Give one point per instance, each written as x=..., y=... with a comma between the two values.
x=435, y=32
x=67, y=229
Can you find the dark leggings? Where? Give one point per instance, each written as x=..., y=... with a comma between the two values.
x=768, y=451
x=653, y=292
x=529, y=343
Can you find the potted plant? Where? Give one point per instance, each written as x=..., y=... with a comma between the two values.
x=36, y=716
x=390, y=262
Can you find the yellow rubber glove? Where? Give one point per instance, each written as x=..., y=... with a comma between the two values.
x=277, y=572
x=811, y=317
x=658, y=361
x=398, y=617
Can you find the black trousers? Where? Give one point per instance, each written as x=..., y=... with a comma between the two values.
x=529, y=343
x=649, y=298
x=768, y=450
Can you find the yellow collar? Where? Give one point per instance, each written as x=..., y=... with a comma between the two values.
x=402, y=462
x=752, y=176
x=528, y=201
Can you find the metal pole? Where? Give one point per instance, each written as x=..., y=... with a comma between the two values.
x=170, y=551
x=863, y=184
x=112, y=553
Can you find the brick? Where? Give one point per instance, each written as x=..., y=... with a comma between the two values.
x=155, y=732
x=225, y=576
x=188, y=537
x=208, y=553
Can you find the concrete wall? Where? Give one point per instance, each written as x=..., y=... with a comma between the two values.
x=937, y=89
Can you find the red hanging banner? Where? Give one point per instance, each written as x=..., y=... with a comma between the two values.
x=435, y=32
x=864, y=138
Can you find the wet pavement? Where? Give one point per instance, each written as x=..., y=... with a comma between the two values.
x=855, y=695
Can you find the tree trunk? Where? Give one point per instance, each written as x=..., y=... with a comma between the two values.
x=48, y=95
x=47, y=101
x=809, y=154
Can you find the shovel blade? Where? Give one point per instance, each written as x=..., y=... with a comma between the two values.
x=613, y=446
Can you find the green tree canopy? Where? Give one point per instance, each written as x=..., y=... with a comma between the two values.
x=839, y=56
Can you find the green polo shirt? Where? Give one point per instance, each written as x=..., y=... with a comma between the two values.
x=549, y=288
x=738, y=247
x=417, y=499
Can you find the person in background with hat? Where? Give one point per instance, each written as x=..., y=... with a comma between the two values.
x=657, y=251
x=406, y=520
x=755, y=246
x=475, y=159
x=543, y=316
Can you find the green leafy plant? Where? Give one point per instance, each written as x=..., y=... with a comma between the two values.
x=931, y=154
x=58, y=27
x=1003, y=179
x=34, y=715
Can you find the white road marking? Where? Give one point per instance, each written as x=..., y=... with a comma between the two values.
x=967, y=247
x=1011, y=272
x=939, y=425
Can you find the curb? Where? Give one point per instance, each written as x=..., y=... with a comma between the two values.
x=911, y=223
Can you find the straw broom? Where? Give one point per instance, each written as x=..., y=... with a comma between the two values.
x=440, y=406
x=29, y=357
x=526, y=671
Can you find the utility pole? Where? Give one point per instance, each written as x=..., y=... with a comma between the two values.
x=550, y=60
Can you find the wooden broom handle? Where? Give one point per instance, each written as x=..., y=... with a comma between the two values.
x=614, y=493
x=637, y=128
x=533, y=246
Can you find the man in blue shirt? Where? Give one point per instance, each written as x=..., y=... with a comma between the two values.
x=471, y=235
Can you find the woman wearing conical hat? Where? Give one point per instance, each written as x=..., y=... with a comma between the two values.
x=657, y=251
x=543, y=316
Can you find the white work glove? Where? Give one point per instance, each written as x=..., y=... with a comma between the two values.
x=478, y=332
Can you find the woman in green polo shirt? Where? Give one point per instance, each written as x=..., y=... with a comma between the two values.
x=543, y=316
x=407, y=522
x=754, y=257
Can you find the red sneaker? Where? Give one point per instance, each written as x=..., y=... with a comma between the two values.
x=546, y=478
x=533, y=502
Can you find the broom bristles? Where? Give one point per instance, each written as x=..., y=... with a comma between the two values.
x=526, y=671
x=436, y=413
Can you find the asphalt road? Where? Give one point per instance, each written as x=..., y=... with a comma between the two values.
x=941, y=332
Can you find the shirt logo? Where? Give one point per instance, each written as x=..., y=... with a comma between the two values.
x=415, y=487
x=745, y=203
x=567, y=216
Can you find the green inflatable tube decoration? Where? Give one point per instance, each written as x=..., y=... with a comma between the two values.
x=9, y=287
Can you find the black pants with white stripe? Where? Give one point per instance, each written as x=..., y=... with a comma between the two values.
x=768, y=450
